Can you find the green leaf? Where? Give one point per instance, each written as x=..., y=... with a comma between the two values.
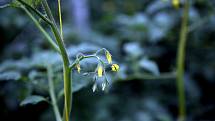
x=11, y=75
x=44, y=58
x=34, y=99
x=79, y=82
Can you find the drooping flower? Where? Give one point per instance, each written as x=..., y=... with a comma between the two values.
x=108, y=56
x=100, y=71
x=115, y=67
x=78, y=68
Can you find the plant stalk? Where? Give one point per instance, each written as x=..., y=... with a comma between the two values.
x=66, y=63
x=60, y=17
x=181, y=61
x=52, y=94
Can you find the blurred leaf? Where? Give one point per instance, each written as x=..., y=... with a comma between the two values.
x=34, y=99
x=137, y=19
x=8, y=65
x=156, y=5
x=11, y=75
x=80, y=81
x=133, y=49
x=44, y=58
x=82, y=48
x=4, y=3
x=149, y=65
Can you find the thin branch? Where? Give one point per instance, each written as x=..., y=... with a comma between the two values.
x=52, y=93
x=49, y=13
x=35, y=11
x=50, y=40
x=180, y=63
x=60, y=17
x=162, y=76
x=80, y=59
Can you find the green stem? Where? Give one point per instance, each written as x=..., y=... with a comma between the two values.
x=35, y=11
x=52, y=94
x=180, y=63
x=60, y=17
x=66, y=63
x=50, y=40
x=162, y=76
x=80, y=59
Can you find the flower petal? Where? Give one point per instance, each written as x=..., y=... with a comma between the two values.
x=100, y=71
x=109, y=57
x=115, y=67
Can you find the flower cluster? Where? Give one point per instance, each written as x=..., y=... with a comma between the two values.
x=102, y=67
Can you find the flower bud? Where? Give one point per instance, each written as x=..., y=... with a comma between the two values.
x=78, y=67
x=115, y=67
x=108, y=56
x=100, y=71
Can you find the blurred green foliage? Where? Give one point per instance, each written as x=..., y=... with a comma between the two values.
x=142, y=36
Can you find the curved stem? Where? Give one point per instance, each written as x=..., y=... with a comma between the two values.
x=180, y=63
x=52, y=94
x=84, y=57
x=50, y=40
